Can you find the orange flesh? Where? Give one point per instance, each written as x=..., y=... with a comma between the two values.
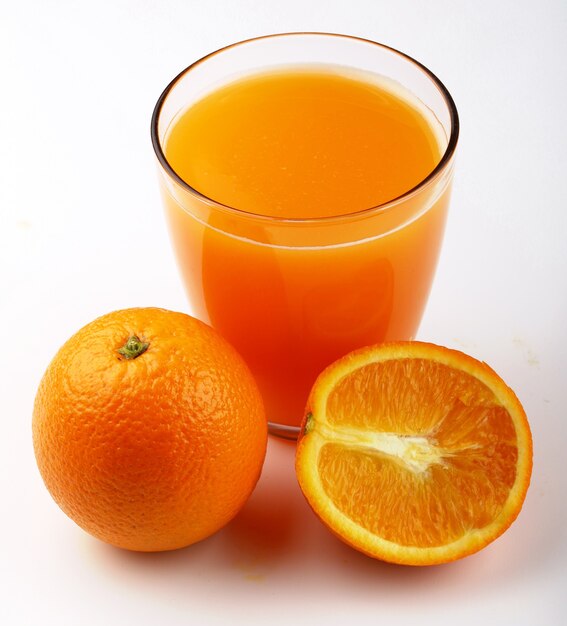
x=464, y=442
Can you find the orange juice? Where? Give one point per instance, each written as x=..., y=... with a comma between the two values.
x=294, y=261
x=302, y=144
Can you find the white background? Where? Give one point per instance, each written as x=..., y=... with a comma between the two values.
x=82, y=233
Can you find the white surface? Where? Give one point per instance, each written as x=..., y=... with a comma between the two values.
x=82, y=233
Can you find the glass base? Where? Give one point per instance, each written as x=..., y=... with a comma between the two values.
x=284, y=432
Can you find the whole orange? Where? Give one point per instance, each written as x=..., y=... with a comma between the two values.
x=149, y=430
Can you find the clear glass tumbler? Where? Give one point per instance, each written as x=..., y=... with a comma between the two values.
x=294, y=294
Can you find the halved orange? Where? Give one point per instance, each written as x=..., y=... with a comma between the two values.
x=414, y=453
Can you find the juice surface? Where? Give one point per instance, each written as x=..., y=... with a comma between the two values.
x=304, y=144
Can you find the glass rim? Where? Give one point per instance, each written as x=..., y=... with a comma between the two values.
x=381, y=207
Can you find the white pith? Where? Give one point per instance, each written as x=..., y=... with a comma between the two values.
x=416, y=453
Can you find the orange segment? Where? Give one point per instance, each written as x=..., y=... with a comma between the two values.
x=414, y=453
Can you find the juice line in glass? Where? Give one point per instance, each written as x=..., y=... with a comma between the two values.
x=306, y=203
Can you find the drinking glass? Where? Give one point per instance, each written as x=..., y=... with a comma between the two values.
x=294, y=294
